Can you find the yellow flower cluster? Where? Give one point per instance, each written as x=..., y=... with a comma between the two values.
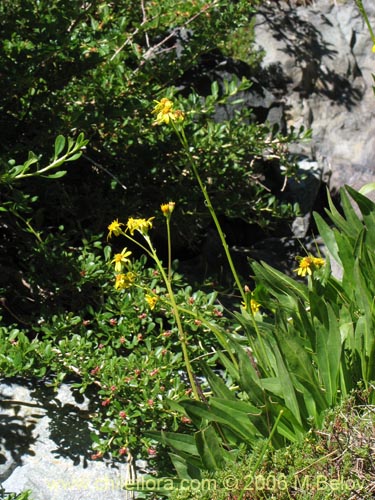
x=151, y=301
x=254, y=306
x=124, y=280
x=115, y=228
x=308, y=264
x=165, y=113
x=140, y=225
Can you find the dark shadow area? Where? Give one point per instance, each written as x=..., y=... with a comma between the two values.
x=16, y=431
x=68, y=426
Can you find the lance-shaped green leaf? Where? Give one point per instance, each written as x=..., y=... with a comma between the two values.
x=328, y=354
x=210, y=448
x=278, y=282
x=236, y=415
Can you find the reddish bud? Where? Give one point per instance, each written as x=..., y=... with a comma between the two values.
x=95, y=370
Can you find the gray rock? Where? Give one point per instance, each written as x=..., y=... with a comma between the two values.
x=45, y=445
x=321, y=53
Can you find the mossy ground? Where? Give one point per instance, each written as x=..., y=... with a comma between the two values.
x=336, y=462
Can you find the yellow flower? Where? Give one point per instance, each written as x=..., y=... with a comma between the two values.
x=151, y=301
x=308, y=264
x=318, y=262
x=141, y=225
x=165, y=113
x=124, y=280
x=304, y=266
x=115, y=228
x=120, y=259
x=167, y=208
x=373, y=48
x=254, y=306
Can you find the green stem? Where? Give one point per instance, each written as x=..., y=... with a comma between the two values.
x=216, y=331
x=169, y=250
x=181, y=135
x=152, y=253
x=28, y=225
x=181, y=332
x=54, y=164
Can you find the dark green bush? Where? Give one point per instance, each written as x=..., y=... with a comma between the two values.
x=96, y=68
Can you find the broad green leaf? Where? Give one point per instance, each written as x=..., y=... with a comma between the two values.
x=228, y=365
x=177, y=441
x=367, y=208
x=234, y=414
x=367, y=188
x=210, y=449
x=59, y=145
x=248, y=376
x=74, y=157
x=288, y=426
x=288, y=390
x=339, y=221
x=328, y=236
x=236, y=406
x=328, y=354
x=299, y=364
x=354, y=223
x=364, y=331
x=184, y=469
x=278, y=282
x=56, y=175
x=345, y=250
x=216, y=383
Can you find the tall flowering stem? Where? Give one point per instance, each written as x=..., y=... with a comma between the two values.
x=182, y=137
x=181, y=332
x=124, y=280
x=167, y=209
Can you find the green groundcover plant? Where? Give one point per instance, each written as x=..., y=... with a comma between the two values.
x=332, y=462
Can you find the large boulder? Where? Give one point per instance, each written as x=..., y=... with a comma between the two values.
x=320, y=54
x=45, y=445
